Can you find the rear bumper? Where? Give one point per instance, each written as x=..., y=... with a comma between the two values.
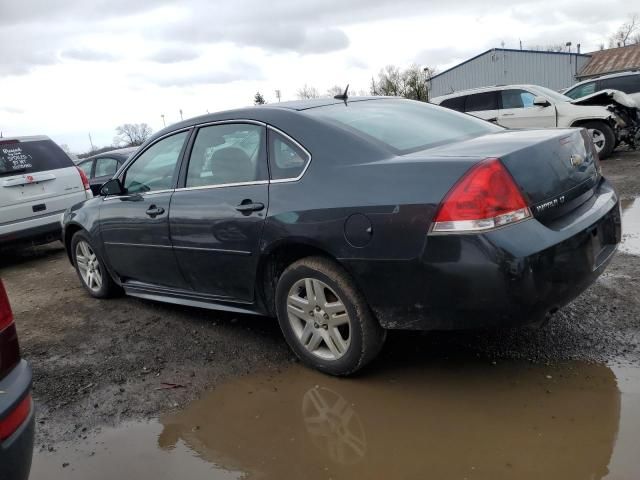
x=17, y=450
x=508, y=277
x=45, y=229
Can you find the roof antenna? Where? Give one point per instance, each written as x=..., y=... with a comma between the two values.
x=343, y=96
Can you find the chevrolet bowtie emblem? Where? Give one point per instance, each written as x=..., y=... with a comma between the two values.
x=576, y=160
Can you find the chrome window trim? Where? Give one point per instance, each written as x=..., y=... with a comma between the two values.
x=142, y=194
x=296, y=143
x=223, y=185
x=222, y=122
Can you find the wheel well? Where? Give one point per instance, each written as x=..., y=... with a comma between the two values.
x=275, y=263
x=579, y=123
x=68, y=235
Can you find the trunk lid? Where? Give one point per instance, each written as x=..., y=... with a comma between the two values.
x=556, y=170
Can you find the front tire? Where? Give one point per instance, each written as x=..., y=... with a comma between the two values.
x=604, y=138
x=91, y=270
x=325, y=319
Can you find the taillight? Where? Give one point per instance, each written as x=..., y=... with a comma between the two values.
x=85, y=180
x=9, y=348
x=485, y=197
x=6, y=316
x=17, y=416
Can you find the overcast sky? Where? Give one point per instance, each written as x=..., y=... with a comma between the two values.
x=70, y=67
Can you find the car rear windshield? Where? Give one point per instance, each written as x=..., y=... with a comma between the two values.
x=404, y=126
x=17, y=157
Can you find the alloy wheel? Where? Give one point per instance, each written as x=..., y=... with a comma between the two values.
x=89, y=266
x=319, y=319
x=599, y=139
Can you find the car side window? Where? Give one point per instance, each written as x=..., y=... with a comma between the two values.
x=106, y=166
x=516, y=98
x=626, y=84
x=286, y=159
x=226, y=154
x=155, y=169
x=481, y=101
x=86, y=167
x=455, y=103
x=582, y=90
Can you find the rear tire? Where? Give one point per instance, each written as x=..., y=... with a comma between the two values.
x=604, y=138
x=94, y=276
x=325, y=319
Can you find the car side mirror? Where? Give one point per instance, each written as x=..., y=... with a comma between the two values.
x=541, y=102
x=112, y=187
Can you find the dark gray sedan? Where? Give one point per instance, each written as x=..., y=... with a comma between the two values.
x=346, y=218
x=100, y=168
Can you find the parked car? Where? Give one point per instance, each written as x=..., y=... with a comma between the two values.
x=17, y=418
x=100, y=168
x=38, y=181
x=348, y=218
x=609, y=119
x=627, y=82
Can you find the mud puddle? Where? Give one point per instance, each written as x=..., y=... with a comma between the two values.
x=449, y=420
x=630, y=226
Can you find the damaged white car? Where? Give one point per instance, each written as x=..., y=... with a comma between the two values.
x=610, y=116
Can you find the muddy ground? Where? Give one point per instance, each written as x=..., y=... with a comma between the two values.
x=105, y=363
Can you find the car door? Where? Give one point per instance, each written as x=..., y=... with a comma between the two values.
x=135, y=225
x=518, y=111
x=483, y=105
x=105, y=168
x=216, y=219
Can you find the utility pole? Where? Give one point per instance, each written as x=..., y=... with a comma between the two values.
x=181, y=115
x=91, y=142
x=163, y=122
x=278, y=95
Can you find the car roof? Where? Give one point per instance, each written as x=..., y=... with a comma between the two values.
x=28, y=138
x=262, y=113
x=123, y=153
x=481, y=90
x=604, y=77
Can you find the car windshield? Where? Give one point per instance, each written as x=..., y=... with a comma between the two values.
x=553, y=95
x=404, y=126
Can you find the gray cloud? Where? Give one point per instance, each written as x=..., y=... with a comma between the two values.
x=236, y=71
x=88, y=55
x=12, y=110
x=174, y=54
x=40, y=28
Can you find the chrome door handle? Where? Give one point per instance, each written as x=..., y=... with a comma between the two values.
x=154, y=211
x=508, y=114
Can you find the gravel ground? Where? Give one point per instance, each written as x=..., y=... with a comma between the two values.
x=99, y=363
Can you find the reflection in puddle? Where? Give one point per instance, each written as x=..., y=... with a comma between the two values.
x=630, y=226
x=439, y=421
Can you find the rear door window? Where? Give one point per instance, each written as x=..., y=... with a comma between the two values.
x=627, y=84
x=227, y=154
x=482, y=101
x=455, y=103
x=86, y=167
x=20, y=157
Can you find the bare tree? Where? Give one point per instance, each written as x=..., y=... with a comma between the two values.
x=627, y=33
x=258, y=99
x=307, y=92
x=335, y=90
x=132, y=134
x=409, y=83
x=552, y=47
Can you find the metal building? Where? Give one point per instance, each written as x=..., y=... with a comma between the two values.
x=503, y=66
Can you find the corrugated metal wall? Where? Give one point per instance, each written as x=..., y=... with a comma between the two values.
x=504, y=67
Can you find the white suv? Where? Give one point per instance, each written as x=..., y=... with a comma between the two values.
x=608, y=119
x=38, y=182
